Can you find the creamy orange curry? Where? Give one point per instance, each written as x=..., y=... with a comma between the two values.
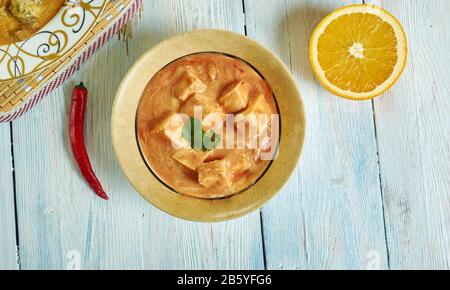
x=19, y=19
x=213, y=91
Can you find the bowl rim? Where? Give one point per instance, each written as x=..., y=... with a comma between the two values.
x=126, y=145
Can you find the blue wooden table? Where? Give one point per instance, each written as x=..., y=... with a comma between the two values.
x=372, y=190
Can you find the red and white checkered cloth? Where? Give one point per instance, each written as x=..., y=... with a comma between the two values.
x=75, y=65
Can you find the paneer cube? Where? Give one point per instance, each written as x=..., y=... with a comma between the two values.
x=188, y=85
x=215, y=173
x=200, y=103
x=172, y=127
x=258, y=105
x=190, y=158
x=253, y=122
x=235, y=98
x=258, y=113
x=241, y=162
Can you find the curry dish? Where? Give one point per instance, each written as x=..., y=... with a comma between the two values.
x=223, y=90
x=20, y=19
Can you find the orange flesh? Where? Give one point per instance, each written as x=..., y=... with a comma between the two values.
x=218, y=72
x=370, y=66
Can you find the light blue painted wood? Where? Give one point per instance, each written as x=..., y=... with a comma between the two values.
x=329, y=216
x=413, y=128
x=59, y=217
x=8, y=250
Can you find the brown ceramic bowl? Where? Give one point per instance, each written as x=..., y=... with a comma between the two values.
x=127, y=148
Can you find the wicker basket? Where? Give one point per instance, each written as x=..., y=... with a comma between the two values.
x=19, y=95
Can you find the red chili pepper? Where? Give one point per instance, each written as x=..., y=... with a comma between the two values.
x=76, y=131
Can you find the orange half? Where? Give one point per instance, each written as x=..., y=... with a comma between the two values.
x=358, y=52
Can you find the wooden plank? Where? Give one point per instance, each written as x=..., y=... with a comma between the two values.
x=413, y=135
x=330, y=214
x=61, y=221
x=8, y=249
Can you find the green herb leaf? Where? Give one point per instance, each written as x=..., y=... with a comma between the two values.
x=211, y=140
x=193, y=130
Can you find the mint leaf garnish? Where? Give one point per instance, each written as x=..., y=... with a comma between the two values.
x=193, y=130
